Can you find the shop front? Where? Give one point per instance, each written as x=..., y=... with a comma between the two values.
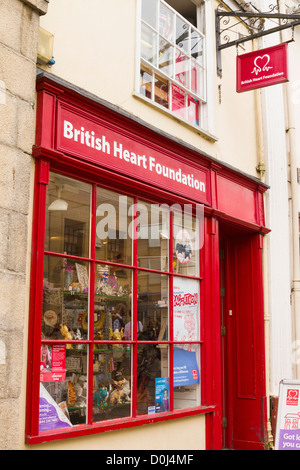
x=126, y=318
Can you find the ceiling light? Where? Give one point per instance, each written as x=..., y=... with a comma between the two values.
x=58, y=205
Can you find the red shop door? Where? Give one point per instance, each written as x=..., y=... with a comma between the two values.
x=244, y=401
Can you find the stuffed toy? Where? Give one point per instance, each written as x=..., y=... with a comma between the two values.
x=120, y=389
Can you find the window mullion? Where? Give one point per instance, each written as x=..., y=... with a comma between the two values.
x=134, y=312
x=91, y=305
x=190, y=58
x=171, y=335
x=153, y=86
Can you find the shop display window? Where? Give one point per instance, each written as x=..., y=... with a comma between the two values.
x=68, y=209
x=152, y=367
x=111, y=381
x=120, y=308
x=65, y=297
x=113, y=301
x=113, y=227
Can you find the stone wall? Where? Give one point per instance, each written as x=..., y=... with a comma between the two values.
x=19, y=23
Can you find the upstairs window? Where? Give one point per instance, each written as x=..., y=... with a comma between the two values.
x=172, y=69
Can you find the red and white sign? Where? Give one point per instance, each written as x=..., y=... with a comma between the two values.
x=262, y=68
x=292, y=397
x=88, y=138
x=186, y=302
x=53, y=363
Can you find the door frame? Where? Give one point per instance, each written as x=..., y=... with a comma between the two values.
x=230, y=242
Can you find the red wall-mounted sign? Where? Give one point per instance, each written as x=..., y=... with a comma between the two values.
x=262, y=68
x=87, y=138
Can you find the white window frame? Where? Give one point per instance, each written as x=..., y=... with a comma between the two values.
x=206, y=115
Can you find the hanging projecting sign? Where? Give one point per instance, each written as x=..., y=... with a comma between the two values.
x=262, y=68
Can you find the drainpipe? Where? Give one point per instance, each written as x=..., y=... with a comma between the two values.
x=295, y=282
x=261, y=168
x=291, y=127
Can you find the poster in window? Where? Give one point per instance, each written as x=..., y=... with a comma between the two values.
x=186, y=370
x=193, y=110
x=186, y=307
x=53, y=363
x=183, y=246
x=51, y=414
x=162, y=394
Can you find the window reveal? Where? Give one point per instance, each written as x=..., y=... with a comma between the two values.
x=120, y=326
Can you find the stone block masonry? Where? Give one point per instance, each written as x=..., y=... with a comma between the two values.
x=19, y=25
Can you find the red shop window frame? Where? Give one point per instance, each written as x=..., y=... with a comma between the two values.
x=32, y=434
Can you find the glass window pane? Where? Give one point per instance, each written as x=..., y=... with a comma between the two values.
x=166, y=23
x=185, y=244
x=186, y=309
x=113, y=297
x=65, y=299
x=152, y=366
x=153, y=305
x=113, y=227
x=166, y=57
x=149, y=45
x=111, y=382
x=161, y=91
x=186, y=376
x=153, y=236
x=149, y=12
x=197, y=46
x=182, y=69
x=178, y=101
x=197, y=79
x=146, y=84
x=182, y=34
x=63, y=387
x=67, y=216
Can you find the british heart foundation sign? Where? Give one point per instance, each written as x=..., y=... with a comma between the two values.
x=262, y=68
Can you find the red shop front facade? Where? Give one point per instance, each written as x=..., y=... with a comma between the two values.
x=146, y=300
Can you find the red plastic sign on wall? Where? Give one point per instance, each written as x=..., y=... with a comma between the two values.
x=262, y=68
